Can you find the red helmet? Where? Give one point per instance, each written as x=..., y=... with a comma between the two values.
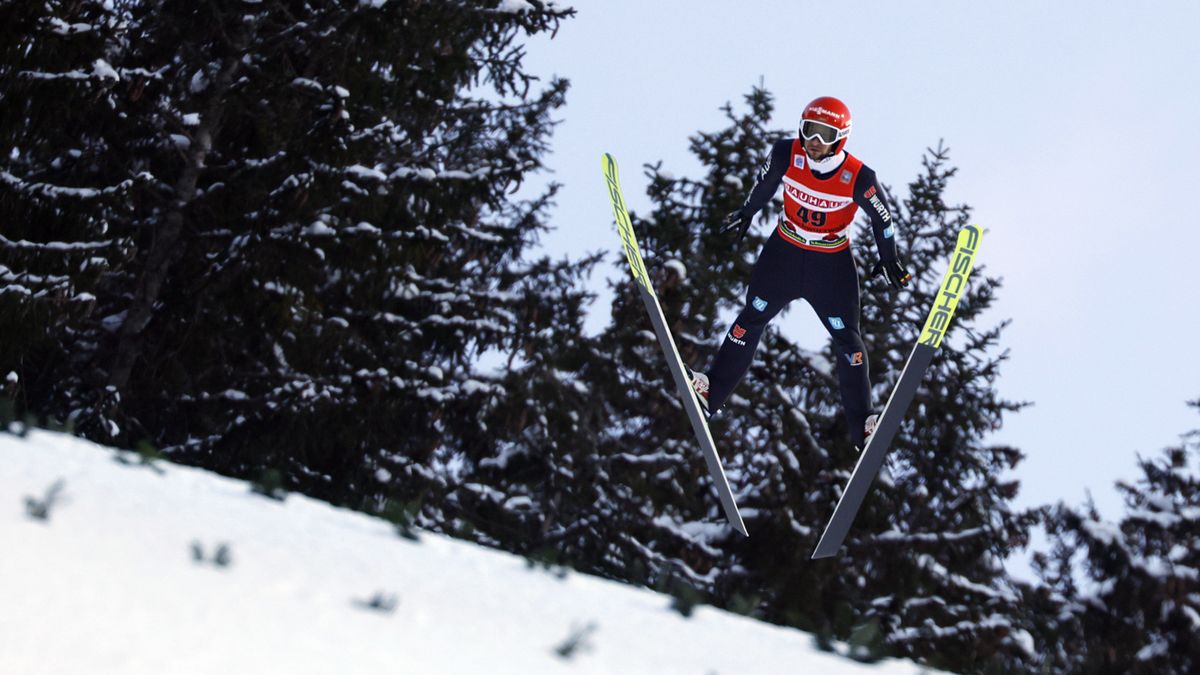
x=827, y=118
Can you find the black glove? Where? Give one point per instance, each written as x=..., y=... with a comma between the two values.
x=737, y=222
x=893, y=271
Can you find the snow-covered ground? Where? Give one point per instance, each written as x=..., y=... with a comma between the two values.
x=121, y=578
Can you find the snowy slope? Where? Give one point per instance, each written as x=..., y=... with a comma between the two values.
x=110, y=584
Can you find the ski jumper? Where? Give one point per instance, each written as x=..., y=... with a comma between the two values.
x=808, y=256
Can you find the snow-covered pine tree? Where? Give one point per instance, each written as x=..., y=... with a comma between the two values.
x=67, y=214
x=318, y=239
x=922, y=573
x=535, y=447
x=1127, y=594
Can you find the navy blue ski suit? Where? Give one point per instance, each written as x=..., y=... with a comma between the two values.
x=792, y=266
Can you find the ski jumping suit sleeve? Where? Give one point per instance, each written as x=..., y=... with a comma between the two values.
x=769, y=177
x=869, y=197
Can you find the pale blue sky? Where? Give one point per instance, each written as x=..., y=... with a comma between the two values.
x=1074, y=127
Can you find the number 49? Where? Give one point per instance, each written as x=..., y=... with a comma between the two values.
x=813, y=218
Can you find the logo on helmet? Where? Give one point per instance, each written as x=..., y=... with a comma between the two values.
x=825, y=111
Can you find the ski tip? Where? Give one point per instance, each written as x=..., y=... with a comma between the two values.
x=825, y=549
x=734, y=518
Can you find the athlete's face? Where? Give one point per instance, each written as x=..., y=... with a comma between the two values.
x=816, y=149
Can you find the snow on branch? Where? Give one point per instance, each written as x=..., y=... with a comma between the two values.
x=50, y=191
x=1163, y=520
x=127, y=73
x=700, y=534
x=929, y=630
x=1103, y=531
x=60, y=27
x=652, y=458
x=515, y=6
x=11, y=288
x=473, y=232
x=259, y=162
x=431, y=175
x=192, y=444
x=505, y=7
x=365, y=173
x=929, y=564
x=101, y=71
x=897, y=536
x=512, y=7
x=57, y=286
x=310, y=85
x=58, y=246
x=1163, y=569
x=7, y=276
x=462, y=322
x=679, y=567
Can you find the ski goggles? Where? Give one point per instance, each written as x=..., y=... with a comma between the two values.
x=810, y=129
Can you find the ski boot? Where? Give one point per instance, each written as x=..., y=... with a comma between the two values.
x=699, y=383
x=868, y=429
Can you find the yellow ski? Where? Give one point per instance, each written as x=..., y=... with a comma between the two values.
x=637, y=266
x=953, y=285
